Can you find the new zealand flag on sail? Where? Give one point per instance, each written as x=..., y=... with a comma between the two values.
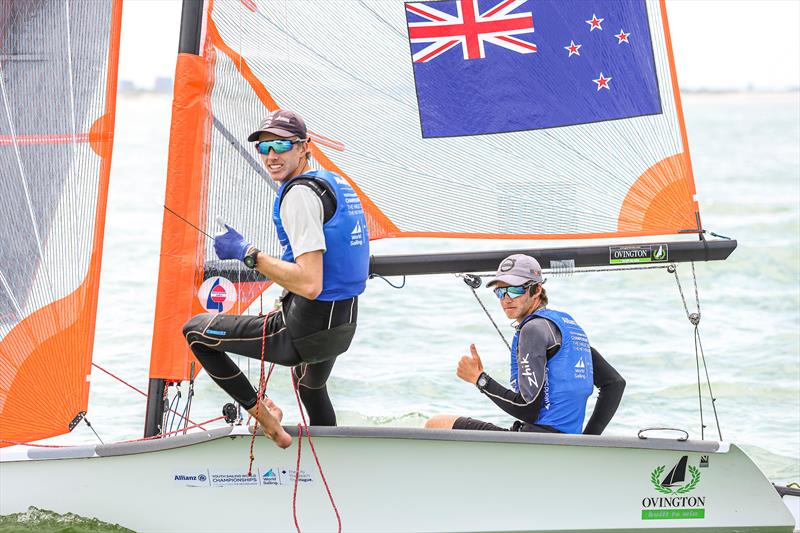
x=492, y=66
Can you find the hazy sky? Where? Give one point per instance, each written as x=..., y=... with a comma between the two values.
x=717, y=43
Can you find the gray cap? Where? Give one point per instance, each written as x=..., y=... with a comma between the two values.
x=283, y=123
x=518, y=269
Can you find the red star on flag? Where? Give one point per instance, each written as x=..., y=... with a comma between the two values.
x=595, y=23
x=602, y=82
x=622, y=36
x=573, y=48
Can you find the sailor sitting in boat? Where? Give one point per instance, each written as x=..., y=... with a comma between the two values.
x=553, y=367
x=321, y=226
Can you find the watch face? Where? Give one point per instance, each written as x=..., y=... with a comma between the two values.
x=482, y=381
x=250, y=261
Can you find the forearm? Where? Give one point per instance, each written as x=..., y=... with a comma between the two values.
x=298, y=278
x=511, y=402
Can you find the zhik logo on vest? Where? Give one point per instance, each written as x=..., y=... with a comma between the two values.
x=674, y=505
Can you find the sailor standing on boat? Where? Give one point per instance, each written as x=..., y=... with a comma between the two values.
x=553, y=367
x=324, y=267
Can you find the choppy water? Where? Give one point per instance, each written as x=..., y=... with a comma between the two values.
x=400, y=370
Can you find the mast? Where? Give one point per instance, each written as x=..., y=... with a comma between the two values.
x=190, y=43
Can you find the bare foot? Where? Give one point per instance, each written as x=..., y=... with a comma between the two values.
x=274, y=409
x=269, y=418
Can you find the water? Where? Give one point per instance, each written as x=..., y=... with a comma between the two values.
x=401, y=368
x=44, y=521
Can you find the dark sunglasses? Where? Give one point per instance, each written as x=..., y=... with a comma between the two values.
x=513, y=291
x=280, y=146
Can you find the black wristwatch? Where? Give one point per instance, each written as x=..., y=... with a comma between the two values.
x=483, y=380
x=251, y=258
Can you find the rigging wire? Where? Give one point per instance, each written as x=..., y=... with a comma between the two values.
x=473, y=282
x=699, y=354
x=389, y=282
x=86, y=420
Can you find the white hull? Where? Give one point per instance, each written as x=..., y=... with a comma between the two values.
x=397, y=480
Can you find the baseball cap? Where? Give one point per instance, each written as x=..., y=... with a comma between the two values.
x=283, y=123
x=518, y=269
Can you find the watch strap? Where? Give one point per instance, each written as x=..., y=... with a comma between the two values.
x=251, y=257
x=482, y=381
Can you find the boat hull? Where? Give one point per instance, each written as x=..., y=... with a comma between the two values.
x=385, y=479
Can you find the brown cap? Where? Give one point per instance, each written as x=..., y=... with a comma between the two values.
x=518, y=269
x=283, y=123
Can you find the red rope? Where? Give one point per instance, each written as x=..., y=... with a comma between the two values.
x=262, y=387
x=145, y=394
x=297, y=476
x=32, y=445
x=187, y=428
x=119, y=379
x=316, y=459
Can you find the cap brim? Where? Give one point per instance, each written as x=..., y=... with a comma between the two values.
x=275, y=131
x=510, y=279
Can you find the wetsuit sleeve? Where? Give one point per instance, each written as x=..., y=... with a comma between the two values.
x=534, y=340
x=611, y=385
x=512, y=402
x=301, y=214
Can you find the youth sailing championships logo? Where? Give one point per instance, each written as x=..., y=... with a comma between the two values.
x=674, y=485
x=217, y=294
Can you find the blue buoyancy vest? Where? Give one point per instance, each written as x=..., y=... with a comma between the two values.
x=569, y=376
x=345, y=263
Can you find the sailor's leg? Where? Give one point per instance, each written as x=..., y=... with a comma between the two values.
x=441, y=422
x=311, y=382
x=210, y=336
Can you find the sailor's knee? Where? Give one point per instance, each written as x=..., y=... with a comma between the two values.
x=195, y=324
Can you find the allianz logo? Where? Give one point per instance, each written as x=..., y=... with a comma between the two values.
x=184, y=477
x=568, y=321
x=340, y=180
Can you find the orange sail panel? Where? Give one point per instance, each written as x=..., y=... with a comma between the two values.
x=58, y=79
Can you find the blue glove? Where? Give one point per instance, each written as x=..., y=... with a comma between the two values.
x=231, y=245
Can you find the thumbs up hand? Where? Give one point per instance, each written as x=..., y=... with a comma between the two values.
x=470, y=366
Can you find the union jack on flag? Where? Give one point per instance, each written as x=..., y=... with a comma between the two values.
x=469, y=28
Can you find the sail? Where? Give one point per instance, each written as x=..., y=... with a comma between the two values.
x=529, y=119
x=58, y=74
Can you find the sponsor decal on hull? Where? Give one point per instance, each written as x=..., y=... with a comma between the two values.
x=263, y=477
x=675, y=502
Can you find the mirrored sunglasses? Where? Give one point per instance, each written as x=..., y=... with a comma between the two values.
x=280, y=146
x=513, y=291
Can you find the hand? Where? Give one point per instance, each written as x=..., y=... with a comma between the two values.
x=470, y=367
x=231, y=245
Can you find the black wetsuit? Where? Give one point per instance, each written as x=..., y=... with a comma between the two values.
x=211, y=335
x=297, y=324
x=542, y=340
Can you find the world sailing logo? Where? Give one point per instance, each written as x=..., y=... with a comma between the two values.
x=357, y=235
